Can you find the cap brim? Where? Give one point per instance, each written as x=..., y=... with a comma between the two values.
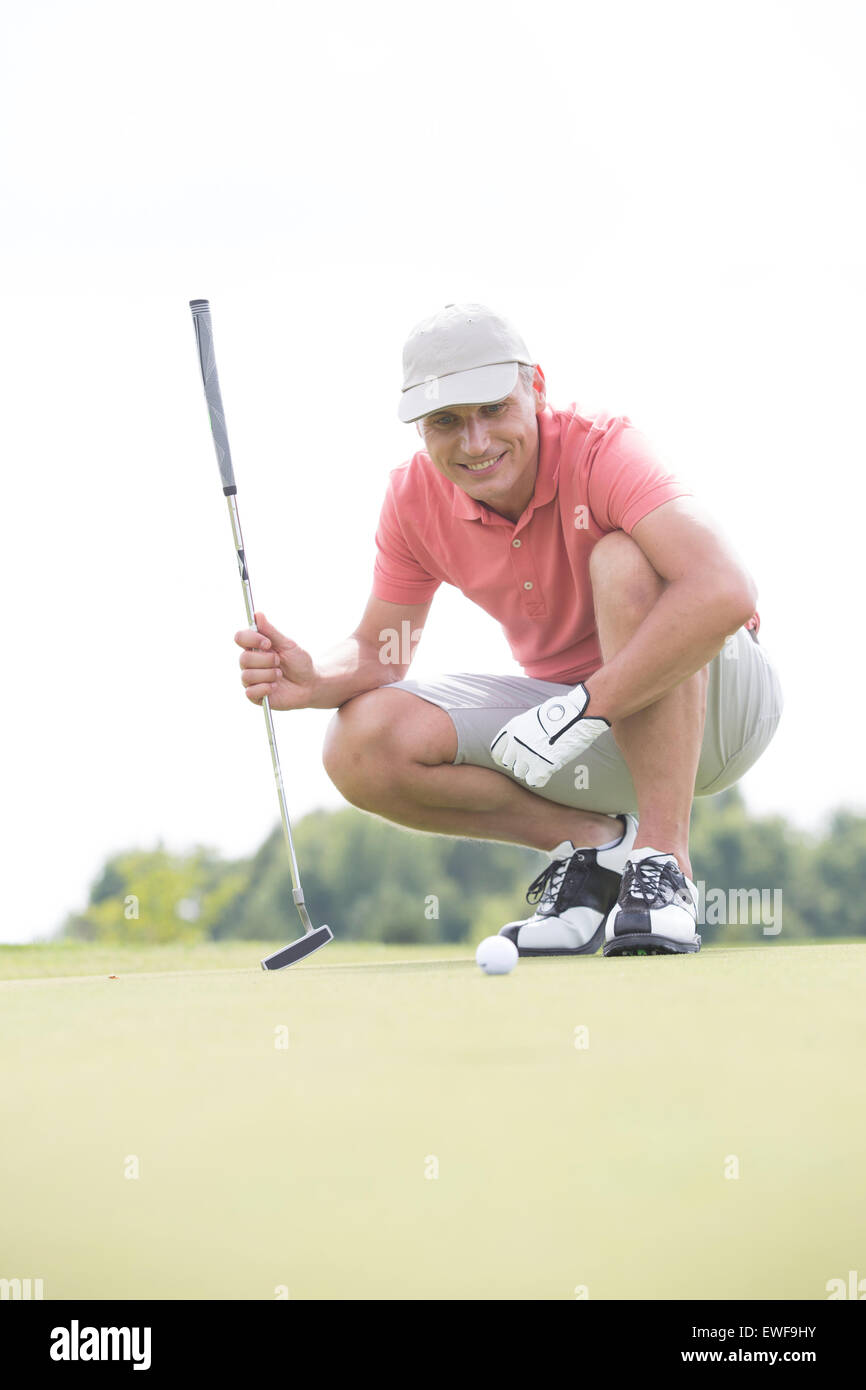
x=478, y=386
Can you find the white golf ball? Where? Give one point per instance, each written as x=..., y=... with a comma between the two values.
x=496, y=955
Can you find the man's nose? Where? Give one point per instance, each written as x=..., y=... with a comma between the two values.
x=476, y=439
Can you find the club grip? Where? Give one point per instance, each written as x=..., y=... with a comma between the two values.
x=207, y=361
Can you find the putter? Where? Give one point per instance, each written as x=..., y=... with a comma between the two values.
x=313, y=937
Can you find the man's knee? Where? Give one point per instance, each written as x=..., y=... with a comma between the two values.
x=376, y=741
x=356, y=739
x=620, y=573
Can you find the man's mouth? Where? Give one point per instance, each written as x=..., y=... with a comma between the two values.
x=484, y=465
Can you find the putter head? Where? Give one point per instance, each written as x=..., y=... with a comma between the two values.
x=298, y=950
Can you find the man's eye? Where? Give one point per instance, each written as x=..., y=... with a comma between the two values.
x=445, y=422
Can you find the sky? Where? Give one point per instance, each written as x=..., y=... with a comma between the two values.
x=667, y=200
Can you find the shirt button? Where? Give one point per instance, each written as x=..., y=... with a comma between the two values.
x=516, y=543
x=528, y=584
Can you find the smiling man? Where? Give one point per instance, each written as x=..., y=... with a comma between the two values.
x=632, y=619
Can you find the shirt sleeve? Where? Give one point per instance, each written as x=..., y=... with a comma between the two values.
x=627, y=479
x=398, y=576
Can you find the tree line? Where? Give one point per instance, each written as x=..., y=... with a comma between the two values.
x=761, y=879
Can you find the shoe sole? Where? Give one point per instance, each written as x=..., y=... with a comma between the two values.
x=588, y=950
x=640, y=944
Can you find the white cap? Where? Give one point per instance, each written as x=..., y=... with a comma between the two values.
x=463, y=355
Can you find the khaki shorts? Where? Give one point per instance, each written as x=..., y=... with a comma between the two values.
x=744, y=704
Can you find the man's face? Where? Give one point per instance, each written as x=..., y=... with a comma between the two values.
x=489, y=451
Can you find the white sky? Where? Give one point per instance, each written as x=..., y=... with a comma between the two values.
x=667, y=199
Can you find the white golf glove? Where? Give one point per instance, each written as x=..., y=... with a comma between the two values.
x=539, y=742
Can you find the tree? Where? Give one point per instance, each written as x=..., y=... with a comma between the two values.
x=374, y=881
x=153, y=896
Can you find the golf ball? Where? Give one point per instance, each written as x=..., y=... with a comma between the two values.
x=496, y=955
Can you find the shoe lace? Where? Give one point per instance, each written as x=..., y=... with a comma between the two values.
x=646, y=877
x=545, y=888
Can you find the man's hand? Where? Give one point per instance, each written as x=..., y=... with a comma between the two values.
x=539, y=742
x=275, y=666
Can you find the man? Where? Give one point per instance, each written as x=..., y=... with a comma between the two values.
x=632, y=618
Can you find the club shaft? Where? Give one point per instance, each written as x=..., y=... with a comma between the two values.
x=207, y=361
x=297, y=892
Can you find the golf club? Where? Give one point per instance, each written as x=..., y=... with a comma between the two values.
x=313, y=937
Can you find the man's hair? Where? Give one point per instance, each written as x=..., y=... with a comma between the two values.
x=526, y=374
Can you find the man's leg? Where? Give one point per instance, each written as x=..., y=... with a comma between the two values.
x=662, y=743
x=392, y=753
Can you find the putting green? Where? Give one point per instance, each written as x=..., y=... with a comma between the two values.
x=427, y=1131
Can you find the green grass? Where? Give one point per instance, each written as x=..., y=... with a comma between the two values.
x=80, y=958
x=305, y=1166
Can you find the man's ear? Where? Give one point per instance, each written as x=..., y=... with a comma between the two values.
x=539, y=386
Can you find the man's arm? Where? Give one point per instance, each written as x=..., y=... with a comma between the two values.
x=709, y=595
x=377, y=653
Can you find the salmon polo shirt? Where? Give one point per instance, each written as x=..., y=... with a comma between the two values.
x=595, y=475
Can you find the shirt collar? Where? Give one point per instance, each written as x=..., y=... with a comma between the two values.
x=467, y=509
